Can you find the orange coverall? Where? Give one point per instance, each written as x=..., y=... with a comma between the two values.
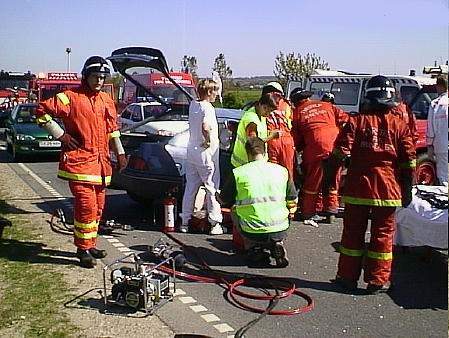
x=282, y=150
x=91, y=119
x=316, y=126
x=382, y=151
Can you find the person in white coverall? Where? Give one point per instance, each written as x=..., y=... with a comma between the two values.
x=202, y=167
x=437, y=131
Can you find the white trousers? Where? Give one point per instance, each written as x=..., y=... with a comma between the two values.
x=442, y=167
x=202, y=168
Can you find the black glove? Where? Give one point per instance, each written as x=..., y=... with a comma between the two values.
x=347, y=161
x=330, y=168
x=68, y=142
x=406, y=187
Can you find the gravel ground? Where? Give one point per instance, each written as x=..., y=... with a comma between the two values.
x=84, y=312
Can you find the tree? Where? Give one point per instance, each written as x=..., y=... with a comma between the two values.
x=293, y=67
x=222, y=68
x=117, y=80
x=189, y=65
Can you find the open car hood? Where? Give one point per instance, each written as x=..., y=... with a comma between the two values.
x=124, y=59
x=130, y=57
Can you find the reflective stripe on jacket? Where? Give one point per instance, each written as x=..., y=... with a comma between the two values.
x=239, y=156
x=382, y=151
x=91, y=119
x=261, y=197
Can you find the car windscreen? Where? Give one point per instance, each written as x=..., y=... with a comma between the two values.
x=25, y=114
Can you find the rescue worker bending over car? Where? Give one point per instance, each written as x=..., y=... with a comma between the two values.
x=90, y=130
x=316, y=125
x=202, y=167
x=263, y=198
x=253, y=123
x=379, y=179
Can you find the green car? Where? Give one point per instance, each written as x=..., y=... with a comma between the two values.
x=24, y=137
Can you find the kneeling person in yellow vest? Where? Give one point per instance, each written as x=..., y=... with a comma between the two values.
x=263, y=200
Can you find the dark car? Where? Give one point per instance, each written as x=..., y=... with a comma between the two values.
x=24, y=137
x=157, y=155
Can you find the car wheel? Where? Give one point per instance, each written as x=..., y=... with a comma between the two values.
x=425, y=170
x=140, y=199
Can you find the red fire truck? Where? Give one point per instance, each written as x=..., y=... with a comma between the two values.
x=48, y=85
x=14, y=87
x=158, y=84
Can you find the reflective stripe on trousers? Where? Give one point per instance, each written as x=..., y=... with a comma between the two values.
x=379, y=255
x=89, y=202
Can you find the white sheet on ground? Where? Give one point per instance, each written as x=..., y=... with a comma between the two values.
x=422, y=224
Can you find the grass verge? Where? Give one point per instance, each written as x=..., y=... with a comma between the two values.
x=31, y=290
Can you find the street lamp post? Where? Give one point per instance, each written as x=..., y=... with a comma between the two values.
x=68, y=50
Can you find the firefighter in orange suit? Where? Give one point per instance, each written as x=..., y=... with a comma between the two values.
x=379, y=179
x=281, y=150
x=316, y=125
x=90, y=130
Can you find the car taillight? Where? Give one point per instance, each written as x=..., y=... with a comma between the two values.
x=137, y=163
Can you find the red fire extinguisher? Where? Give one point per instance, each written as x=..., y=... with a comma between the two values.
x=169, y=213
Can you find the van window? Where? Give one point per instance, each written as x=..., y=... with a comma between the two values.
x=408, y=93
x=346, y=93
x=319, y=88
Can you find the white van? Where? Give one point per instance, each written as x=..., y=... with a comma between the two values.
x=348, y=88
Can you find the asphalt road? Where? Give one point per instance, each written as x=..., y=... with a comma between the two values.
x=417, y=306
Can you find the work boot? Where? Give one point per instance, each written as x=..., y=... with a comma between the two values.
x=374, y=289
x=184, y=228
x=86, y=259
x=279, y=254
x=347, y=285
x=258, y=257
x=97, y=253
x=217, y=229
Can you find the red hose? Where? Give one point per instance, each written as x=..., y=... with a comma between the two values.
x=287, y=289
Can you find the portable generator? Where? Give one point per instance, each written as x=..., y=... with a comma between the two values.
x=138, y=285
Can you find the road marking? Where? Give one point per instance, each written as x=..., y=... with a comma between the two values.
x=197, y=308
x=118, y=244
x=2, y=148
x=210, y=317
x=37, y=178
x=113, y=240
x=222, y=328
x=107, y=237
x=187, y=300
x=179, y=292
x=124, y=249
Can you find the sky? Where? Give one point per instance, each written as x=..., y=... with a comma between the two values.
x=381, y=36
